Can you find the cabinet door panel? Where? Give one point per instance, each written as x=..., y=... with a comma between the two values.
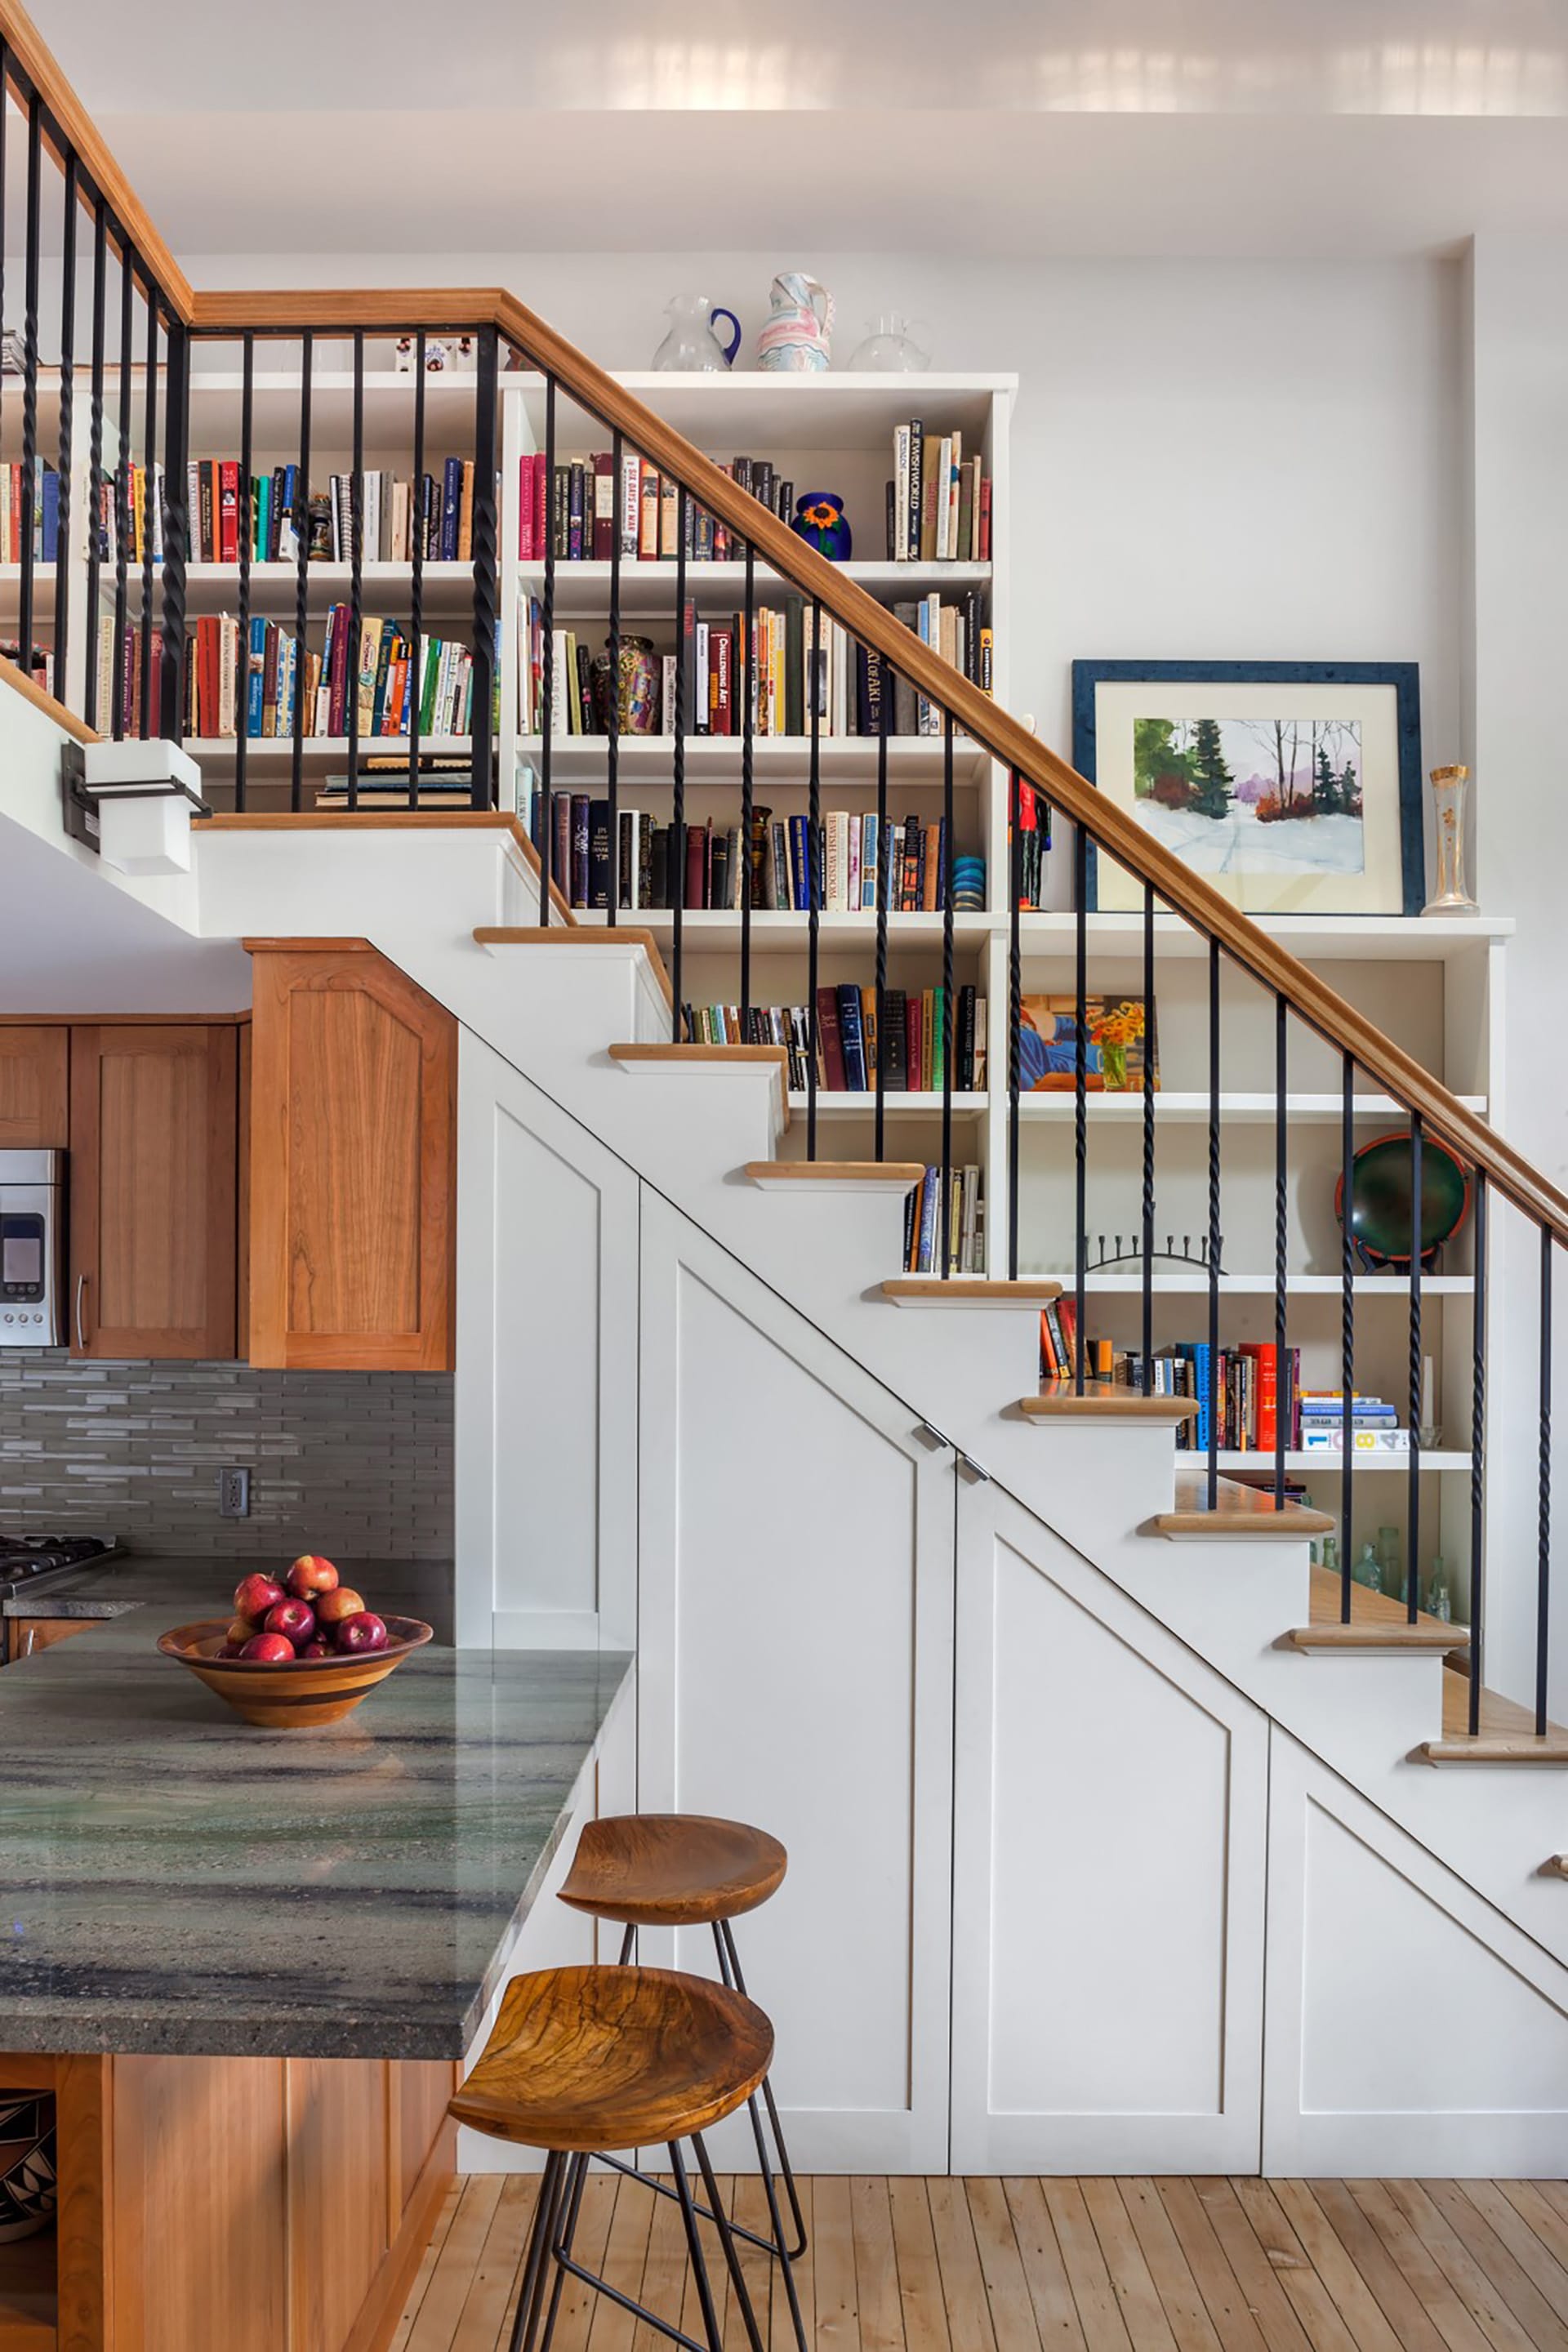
x=1109, y=1840
x=35, y=1088
x=351, y=1123
x=796, y=1670
x=152, y=1190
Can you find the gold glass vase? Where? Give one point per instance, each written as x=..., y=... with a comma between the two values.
x=1449, y=788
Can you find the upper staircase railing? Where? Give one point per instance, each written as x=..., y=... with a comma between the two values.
x=138, y=300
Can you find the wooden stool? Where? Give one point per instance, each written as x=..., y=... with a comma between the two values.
x=690, y=1870
x=585, y=2060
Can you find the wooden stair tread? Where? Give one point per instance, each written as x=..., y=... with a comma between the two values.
x=1105, y=1400
x=1378, y=1621
x=559, y=935
x=713, y=1057
x=878, y=1175
x=960, y=1289
x=1240, y=1512
x=1507, y=1735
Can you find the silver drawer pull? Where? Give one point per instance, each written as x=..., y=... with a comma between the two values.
x=80, y=1293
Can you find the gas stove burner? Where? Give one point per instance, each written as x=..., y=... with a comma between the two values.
x=29, y=1554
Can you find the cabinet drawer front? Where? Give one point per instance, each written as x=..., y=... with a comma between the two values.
x=34, y=1087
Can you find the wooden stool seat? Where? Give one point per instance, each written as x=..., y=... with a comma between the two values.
x=585, y=2059
x=672, y=1870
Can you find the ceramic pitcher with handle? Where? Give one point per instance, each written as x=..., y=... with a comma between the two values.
x=798, y=336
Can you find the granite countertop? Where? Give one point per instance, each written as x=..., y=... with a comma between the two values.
x=178, y=1882
x=182, y=1586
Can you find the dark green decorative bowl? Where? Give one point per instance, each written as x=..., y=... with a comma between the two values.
x=1381, y=1199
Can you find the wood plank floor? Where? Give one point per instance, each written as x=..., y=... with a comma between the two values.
x=1053, y=2265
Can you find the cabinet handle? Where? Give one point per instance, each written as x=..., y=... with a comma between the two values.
x=80, y=1293
x=29, y=1641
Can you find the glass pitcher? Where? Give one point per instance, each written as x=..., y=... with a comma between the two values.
x=889, y=348
x=693, y=343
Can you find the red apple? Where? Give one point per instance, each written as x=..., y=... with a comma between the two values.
x=272, y=1649
x=240, y=1631
x=295, y=1620
x=343, y=1601
x=311, y=1574
x=317, y=1646
x=254, y=1595
x=360, y=1632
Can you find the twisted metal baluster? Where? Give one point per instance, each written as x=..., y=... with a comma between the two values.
x=1147, y=1335
x=302, y=519
x=95, y=524
x=748, y=815
x=1543, y=1492
x=1477, y=1453
x=356, y=579
x=149, y=504
x=1347, y=1331
x=944, y=1195
x=64, y=451
x=1281, y=1234
x=813, y=875
x=1214, y=1227
x=122, y=493
x=484, y=539
x=883, y=710
x=547, y=654
x=1080, y=1101
x=246, y=546
x=612, y=696
x=417, y=587
x=1413, y=1508
x=677, y=799
x=30, y=502
x=1015, y=1012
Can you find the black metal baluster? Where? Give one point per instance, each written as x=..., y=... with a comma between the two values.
x=356, y=575
x=64, y=453
x=30, y=500
x=1215, y=1238
x=1347, y=1332
x=748, y=760
x=1543, y=1492
x=1413, y=1538
x=949, y=1026
x=1477, y=1453
x=5, y=111
x=612, y=696
x=678, y=773
x=149, y=505
x=547, y=656
x=301, y=518
x=418, y=526
x=1147, y=1334
x=1281, y=1231
x=95, y=523
x=122, y=498
x=176, y=533
x=1015, y=1009
x=813, y=871
x=1080, y=1102
x=246, y=544
x=485, y=543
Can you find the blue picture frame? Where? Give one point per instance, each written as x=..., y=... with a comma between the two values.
x=1402, y=679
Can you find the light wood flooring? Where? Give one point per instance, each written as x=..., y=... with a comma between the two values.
x=1057, y=2266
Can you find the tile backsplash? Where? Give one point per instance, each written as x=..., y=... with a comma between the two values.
x=355, y=1462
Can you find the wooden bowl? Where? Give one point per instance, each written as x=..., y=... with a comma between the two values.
x=301, y=1693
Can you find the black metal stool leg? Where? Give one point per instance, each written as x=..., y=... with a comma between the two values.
x=775, y=2223
x=539, y=2242
x=730, y=1971
x=561, y=2247
x=694, y=2250
x=720, y=2220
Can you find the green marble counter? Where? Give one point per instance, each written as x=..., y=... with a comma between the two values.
x=174, y=1881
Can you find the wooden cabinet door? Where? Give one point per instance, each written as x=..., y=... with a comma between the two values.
x=152, y=1172
x=353, y=1085
x=34, y=1087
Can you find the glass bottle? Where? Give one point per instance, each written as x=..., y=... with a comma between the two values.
x=1366, y=1571
x=1440, y=1594
x=889, y=349
x=1331, y=1555
x=1391, y=1562
x=1450, y=897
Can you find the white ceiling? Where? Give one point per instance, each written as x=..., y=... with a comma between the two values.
x=1066, y=126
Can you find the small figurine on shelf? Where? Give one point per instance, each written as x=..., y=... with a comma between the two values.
x=403, y=356
x=819, y=518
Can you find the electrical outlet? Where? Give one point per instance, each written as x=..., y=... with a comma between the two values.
x=234, y=1494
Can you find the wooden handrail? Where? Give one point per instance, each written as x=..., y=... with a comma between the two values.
x=18, y=682
x=1186, y=894
x=402, y=310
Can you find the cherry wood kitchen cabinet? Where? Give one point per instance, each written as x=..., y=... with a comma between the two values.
x=34, y=1085
x=353, y=1167
x=153, y=1123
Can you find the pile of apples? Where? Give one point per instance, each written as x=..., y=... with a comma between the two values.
x=311, y=1615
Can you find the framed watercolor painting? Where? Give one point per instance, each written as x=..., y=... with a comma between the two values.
x=1293, y=787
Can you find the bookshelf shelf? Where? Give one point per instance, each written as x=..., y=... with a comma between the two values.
x=647, y=589
x=897, y=1106
x=274, y=585
x=1297, y=1285
x=714, y=929
x=835, y=411
x=1324, y=1462
x=317, y=748
x=913, y=761
x=1319, y=939
x=1170, y=1108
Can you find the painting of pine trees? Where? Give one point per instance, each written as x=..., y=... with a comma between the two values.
x=1252, y=796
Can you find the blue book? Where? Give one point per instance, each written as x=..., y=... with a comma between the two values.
x=851, y=1038
x=799, y=870
x=926, y=1260
x=1196, y=1353
x=286, y=543
x=452, y=507
x=254, y=676
x=51, y=515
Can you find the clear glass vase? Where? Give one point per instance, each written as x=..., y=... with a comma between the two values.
x=1450, y=787
x=889, y=349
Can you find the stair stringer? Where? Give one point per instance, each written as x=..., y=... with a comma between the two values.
x=1095, y=1485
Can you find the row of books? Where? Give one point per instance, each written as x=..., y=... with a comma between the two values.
x=45, y=517
x=842, y=1042
x=396, y=514
x=939, y=501
x=1255, y=1389
x=963, y=1215
x=784, y=665
x=573, y=513
x=232, y=688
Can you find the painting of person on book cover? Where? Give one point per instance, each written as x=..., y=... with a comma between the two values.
x=1118, y=1034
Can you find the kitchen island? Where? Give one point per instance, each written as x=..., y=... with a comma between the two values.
x=247, y=1961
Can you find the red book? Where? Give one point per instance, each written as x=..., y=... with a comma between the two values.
x=829, y=1041
x=914, y=1041
x=1267, y=1360
x=696, y=866
x=723, y=645
x=228, y=511
x=985, y=520
x=1066, y=1317
x=603, y=507
x=540, y=507
x=525, y=509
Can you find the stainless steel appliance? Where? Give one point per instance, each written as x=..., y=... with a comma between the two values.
x=32, y=1249
x=33, y=1563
